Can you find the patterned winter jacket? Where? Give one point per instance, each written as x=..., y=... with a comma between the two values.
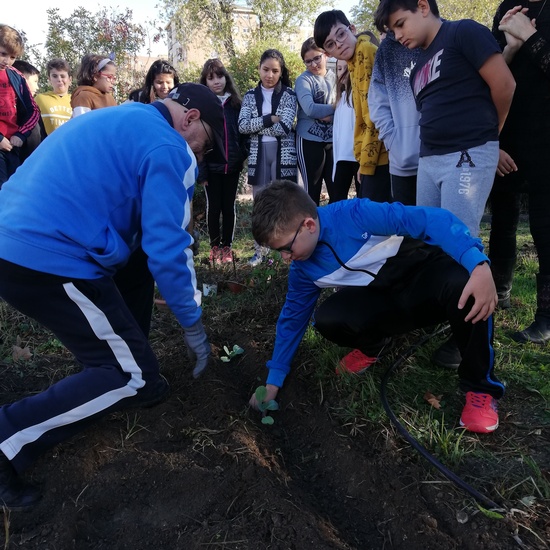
x=252, y=122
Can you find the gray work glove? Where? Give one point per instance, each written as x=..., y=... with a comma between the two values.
x=198, y=347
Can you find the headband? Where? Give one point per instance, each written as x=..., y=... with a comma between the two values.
x=103, y=62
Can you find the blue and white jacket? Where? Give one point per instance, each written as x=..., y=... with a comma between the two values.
x=392, y=105
x=374, y=239
x=98, y=188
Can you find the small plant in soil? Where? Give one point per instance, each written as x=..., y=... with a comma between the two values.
x=265, y=406
x=236, y=350
x=263, y=275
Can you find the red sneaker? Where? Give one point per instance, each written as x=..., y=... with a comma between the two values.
x=227, y=255
x=215, y=255
x=480, y=413
x=355, y=362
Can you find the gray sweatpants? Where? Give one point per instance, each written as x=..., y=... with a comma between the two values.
x=460, y=182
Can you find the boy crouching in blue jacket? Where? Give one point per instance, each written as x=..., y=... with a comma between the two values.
x=398, y=268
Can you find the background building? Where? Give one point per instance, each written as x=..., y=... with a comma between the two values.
x=198, y=47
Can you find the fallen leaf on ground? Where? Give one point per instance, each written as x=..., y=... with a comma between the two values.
x=21, y=354
x=434, y=401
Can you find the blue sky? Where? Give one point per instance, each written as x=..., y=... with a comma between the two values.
x=35, y=25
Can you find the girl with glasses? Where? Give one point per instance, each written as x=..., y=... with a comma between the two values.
x=96, y=81
x=315, y=91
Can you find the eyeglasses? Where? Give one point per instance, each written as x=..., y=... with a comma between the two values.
x=209, y=145
x=109, y=77
x=288, y=247
x=316, y=60
x=339, y=37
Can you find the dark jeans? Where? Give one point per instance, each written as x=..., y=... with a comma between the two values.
x=361, y=317
x=9, y=162
x=221, y=192
x=403, y=189
x=505, y=206
x=377, y=187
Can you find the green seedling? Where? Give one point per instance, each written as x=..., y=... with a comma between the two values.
x=237, y=350
x=264, y=406
x=490, y=513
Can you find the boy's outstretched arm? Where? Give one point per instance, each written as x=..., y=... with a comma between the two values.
x=498, y=77
x=481, y=287
x=302, y=295
x=271, y=394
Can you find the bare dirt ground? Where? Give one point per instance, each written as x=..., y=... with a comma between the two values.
x=200, y=471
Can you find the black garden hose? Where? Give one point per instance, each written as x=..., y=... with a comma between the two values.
x=485, y=501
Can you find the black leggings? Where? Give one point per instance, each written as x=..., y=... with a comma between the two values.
x=315, y=163
x=220, y=195
x=377, y=187
x=346, y=172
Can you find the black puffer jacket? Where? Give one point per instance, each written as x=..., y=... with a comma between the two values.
x=236, y=147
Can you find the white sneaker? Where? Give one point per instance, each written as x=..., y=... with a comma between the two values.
x=256, y=260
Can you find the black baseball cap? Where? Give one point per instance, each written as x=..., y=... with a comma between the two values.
x=198, y=96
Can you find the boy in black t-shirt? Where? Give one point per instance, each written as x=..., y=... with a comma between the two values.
x=463, y=90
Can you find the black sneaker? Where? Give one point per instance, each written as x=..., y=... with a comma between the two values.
x=447, y=355
x=15, y=494
x=150, y=395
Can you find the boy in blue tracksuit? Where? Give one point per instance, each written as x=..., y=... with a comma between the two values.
x=92, y=217
x=393, y=277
